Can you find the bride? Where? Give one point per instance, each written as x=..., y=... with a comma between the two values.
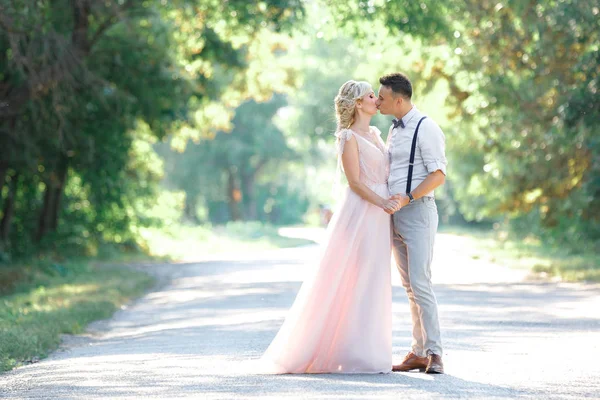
x=340, y=321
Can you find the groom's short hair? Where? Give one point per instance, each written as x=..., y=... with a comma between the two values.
x=399, y=83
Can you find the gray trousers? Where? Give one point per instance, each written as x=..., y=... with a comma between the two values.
x=414, y=228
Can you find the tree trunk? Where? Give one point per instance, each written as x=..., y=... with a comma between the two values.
x=3, y=170
x=9, y=208
x=48, y=220
x=189, y=211
x=5, y=149
x=248, y=189
x=44, y=220
x=63, y=169
x=234, y=197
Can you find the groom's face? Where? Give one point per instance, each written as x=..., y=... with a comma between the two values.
x=386, y=101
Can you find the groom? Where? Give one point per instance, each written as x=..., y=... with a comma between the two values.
x=417, y=167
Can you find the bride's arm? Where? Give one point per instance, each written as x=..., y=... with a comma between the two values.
x=350, y=161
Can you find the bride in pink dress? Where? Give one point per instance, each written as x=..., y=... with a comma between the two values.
x=340, y=321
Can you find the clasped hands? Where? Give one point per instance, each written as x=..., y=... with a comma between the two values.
x=395, y=203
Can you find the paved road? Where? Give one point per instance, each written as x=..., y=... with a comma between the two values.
x=505, y=337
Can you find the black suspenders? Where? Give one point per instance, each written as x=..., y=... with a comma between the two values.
x=412, y=156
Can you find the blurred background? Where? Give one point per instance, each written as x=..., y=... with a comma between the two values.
x=183, y=128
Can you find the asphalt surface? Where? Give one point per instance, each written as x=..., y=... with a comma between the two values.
x=196, y=336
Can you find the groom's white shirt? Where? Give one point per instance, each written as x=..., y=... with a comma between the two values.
x=429, y=155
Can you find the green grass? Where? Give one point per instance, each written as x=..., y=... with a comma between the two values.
x=56, y=299
x=194, y=242
x=530, y=253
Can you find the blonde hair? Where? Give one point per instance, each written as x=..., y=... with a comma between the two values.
x=345, y=102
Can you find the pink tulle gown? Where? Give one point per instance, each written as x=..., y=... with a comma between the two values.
x=340, y=321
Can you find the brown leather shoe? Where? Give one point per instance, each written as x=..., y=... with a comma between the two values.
x=411, y=361
x=435, y=365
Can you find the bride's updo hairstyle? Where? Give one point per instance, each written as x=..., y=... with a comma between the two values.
x=345, y=102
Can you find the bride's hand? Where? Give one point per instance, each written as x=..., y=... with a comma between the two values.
x=390, y=205
x=401, y=199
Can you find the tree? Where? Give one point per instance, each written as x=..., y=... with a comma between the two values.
x=226, y=168
x=533, y=69
x=522, y=77
x=78, y=79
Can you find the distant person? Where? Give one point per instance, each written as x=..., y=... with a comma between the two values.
x=325, y=213
x=416, y=147
x=341, y=320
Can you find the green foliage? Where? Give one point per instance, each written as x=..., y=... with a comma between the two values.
x=425, y=18
x=229, y=104
x=226, y=169
x=85, y=90
x=534, y=70
x=282, y=202
x=522, y=79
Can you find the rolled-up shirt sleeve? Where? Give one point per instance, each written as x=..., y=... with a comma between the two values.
x=432, y=144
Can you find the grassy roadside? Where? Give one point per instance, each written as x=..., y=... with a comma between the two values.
x=529, y=253
x=183, y=242
x=58, y=300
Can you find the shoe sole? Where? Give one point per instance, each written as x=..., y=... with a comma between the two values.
x=408, y=370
